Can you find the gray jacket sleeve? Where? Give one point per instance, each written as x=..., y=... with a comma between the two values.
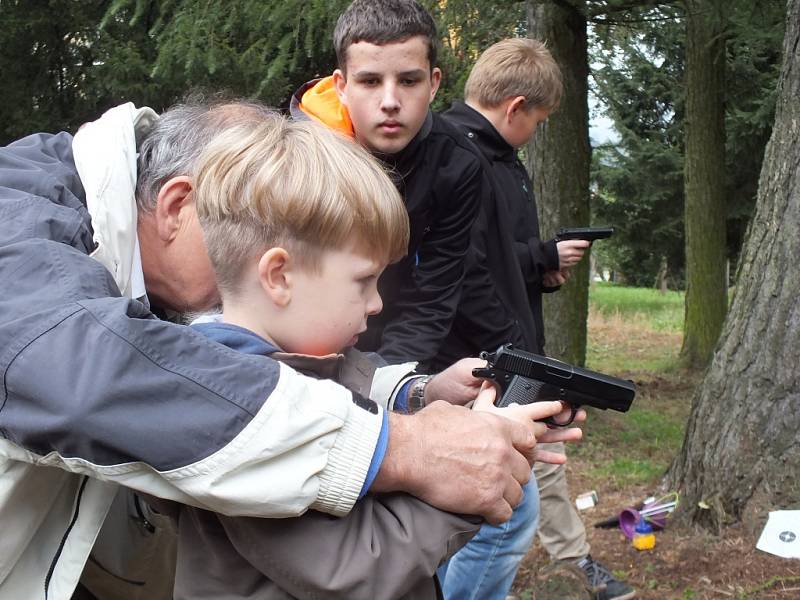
x=388, y=547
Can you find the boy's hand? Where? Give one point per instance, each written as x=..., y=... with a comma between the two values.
x=552, y=279
x=535, y=412
x=570, y=252
x=456, y=384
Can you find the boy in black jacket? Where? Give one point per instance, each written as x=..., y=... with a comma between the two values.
x=511, y=90
x=380, y=95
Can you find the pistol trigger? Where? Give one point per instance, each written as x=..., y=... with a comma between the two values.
x=553, y=424
x=572, y=413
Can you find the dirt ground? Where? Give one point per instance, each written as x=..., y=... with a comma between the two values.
x=686, y=563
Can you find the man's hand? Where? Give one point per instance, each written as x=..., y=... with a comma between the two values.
x=458, y=460
x=456, y=384
x=570, y=252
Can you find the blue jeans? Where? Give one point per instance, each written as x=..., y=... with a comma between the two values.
x=485, y=568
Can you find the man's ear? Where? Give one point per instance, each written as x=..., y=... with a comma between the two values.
x=515, y=105
x=340, y=85
x=275, y=275
x=436, y=80
x=173, y=197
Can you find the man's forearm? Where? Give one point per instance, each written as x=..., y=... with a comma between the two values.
x=236, y=434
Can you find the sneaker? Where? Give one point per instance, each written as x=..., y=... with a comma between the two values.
x=602, y=582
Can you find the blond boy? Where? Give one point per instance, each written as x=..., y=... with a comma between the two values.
x=510, y=92
x=299, y=224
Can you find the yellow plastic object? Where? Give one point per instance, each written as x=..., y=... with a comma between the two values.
x=644, y=541
x=643, y=536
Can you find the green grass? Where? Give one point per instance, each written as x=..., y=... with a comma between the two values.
x=657, y=359
x=653, y=426
x=635, y=333
x=636, y=329
x=662, y=312
x=630, y=449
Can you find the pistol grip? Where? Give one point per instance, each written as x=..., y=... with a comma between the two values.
x=521, y=391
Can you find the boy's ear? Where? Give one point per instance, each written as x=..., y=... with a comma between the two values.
x=436, y=80
x=514, y=106
x=340, y=85
x=275, y=275
x=173, y=198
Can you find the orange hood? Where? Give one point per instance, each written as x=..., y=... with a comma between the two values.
x=321, y=103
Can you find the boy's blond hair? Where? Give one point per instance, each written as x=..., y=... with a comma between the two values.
x=515, y=67
x=296, y=185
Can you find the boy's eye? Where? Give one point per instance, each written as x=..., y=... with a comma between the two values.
x=372, y=81
x=409, y=82
x=365, y=281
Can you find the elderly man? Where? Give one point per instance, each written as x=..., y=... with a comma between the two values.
x=98, y=392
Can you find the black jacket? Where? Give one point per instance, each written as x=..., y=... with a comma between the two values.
x=442, y=182
x=501, y=298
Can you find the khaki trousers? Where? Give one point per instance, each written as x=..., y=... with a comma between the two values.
x=561, y=529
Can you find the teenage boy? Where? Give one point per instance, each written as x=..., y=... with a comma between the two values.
x=299, y=224
x=512, y=89
x=380, y=95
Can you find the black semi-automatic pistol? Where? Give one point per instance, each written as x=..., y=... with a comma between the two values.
x=523, y=377
x=589, y=234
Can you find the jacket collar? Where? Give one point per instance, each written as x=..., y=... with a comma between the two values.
x=403, y=162
x=105, y=156
x=243, y=340
x=482, y=132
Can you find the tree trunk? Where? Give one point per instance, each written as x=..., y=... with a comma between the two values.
x=559, y=158
x=741, y=453
x=704, y=176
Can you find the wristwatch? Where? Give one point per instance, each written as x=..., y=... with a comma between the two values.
x=416, y=395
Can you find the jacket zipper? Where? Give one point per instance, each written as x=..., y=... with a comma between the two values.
x=64, y=538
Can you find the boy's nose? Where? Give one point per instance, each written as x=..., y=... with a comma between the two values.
x=389, y=100
x=375, y=305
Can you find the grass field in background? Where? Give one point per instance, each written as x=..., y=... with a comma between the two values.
x=662, y=312
x=636, y=333
x=633, y=329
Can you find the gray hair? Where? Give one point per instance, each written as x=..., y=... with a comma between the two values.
x=176, y=141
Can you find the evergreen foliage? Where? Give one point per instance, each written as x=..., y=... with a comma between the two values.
x=60, y=72
x=638, y=60
x=252, y=48
x=466, y=28
x=45, y=63
x=639, y=181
